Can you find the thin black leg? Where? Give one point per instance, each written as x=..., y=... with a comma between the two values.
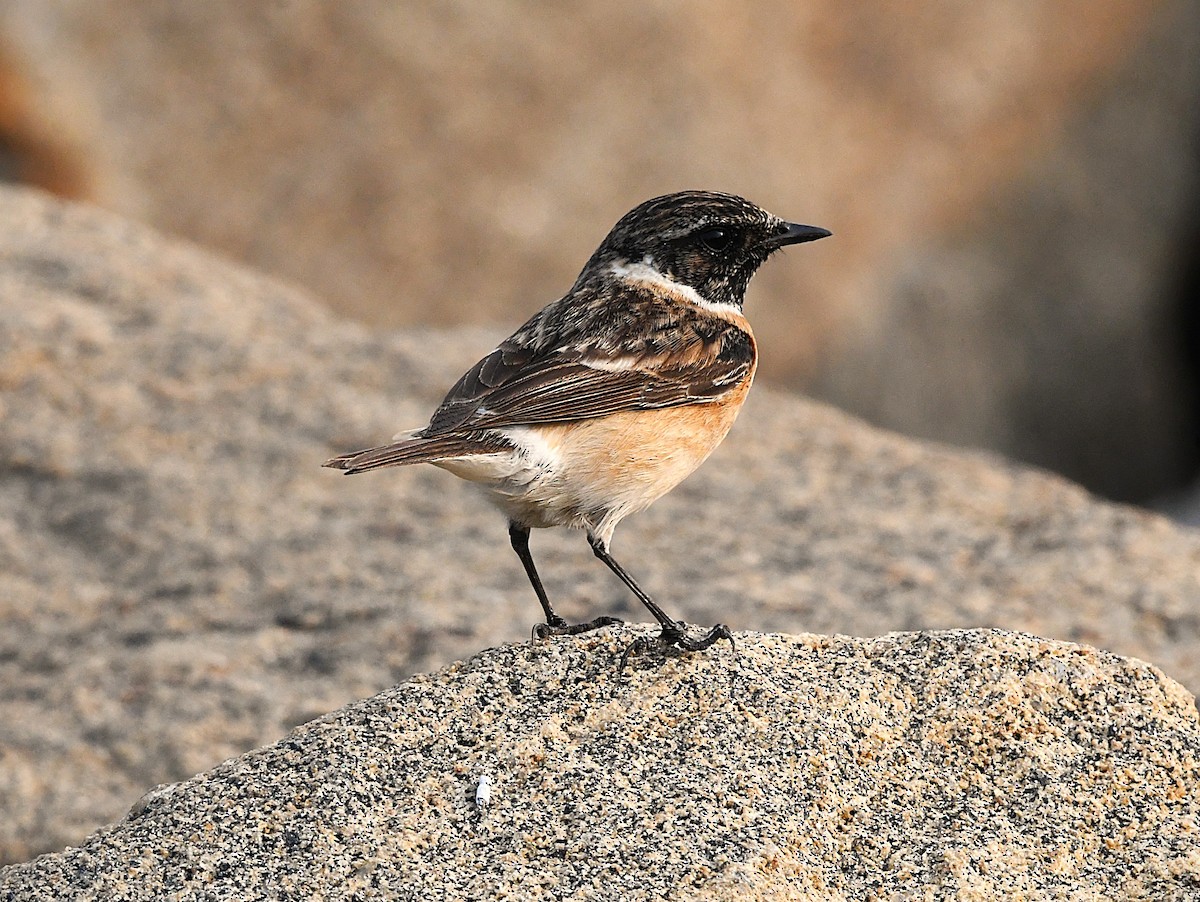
x=555, y=625
x=519, y=536
x=674, y=632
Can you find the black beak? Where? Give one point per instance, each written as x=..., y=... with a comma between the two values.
x=794, y=233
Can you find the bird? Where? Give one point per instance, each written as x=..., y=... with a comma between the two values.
x=607, y=398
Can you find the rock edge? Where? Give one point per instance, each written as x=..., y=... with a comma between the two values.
x=993, y=763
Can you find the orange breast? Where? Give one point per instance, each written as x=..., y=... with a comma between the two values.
x=624, y=462
x=592, y=473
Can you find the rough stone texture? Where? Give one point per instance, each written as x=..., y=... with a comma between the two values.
x=1013, y=186
x=180, y=581
x=973, y=765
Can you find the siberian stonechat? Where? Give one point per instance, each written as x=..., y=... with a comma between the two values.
x=607, y=398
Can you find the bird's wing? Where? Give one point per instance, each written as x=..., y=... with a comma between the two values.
x=516, y=386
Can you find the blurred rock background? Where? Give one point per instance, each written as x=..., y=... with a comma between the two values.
x=1013, y=186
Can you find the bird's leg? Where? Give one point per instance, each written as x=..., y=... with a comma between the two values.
x=674, y=632
x=555, y=625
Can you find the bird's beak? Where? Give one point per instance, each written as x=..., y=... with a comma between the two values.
x=794, y=233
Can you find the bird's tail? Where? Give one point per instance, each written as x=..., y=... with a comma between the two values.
x=416, y=451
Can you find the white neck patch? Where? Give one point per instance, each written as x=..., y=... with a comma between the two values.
x=644, y=273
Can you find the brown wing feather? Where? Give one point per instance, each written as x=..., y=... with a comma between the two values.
x=417, y=450
x=513, y=387
x=503, y=364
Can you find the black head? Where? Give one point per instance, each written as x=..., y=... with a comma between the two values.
x=709, y=241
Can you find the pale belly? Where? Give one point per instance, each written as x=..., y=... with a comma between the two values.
x=592, y=473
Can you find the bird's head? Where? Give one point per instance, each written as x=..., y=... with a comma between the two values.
x=705, y=240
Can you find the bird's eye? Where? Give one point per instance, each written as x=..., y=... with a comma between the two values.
x=716, y=239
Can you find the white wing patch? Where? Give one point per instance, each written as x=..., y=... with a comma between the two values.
x=610, y=364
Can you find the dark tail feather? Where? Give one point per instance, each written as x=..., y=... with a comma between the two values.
x=415, y=451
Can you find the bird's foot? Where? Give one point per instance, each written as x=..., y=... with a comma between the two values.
x=674, y=640
x=559, y=627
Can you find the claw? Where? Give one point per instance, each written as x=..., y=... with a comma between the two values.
x=636, y=647
x=559, y=627
x=675, y=640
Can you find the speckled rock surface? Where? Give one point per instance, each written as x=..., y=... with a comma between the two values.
x=181, y=582
x=969, y=765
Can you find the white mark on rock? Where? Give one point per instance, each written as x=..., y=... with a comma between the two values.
x=483, y=792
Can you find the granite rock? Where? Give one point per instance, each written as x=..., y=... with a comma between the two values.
x=180, y=581
x=963, y=764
